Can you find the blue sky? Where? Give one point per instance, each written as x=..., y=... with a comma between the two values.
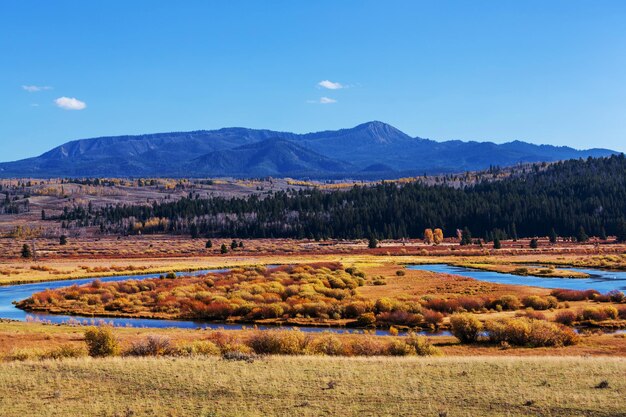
x=540, y=71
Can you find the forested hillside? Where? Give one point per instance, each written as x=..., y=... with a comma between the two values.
x=565, y=197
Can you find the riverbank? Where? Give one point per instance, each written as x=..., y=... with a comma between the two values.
x=107, y=255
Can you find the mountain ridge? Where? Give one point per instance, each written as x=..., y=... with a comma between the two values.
x=343, y=153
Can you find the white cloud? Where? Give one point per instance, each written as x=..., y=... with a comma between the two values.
x=330, y=85
x=36, y=88
x=322, y=100
x=70, y=103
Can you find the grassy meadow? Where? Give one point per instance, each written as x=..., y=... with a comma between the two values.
x=312, y=386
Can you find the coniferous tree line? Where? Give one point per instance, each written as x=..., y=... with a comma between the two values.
x=567, y=196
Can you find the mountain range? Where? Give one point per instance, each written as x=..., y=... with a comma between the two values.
x=372, y=150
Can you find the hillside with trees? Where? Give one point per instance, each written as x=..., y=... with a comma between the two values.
x=570, y=198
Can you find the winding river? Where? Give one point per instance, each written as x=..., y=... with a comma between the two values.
x=599, y=280
x=603, y=281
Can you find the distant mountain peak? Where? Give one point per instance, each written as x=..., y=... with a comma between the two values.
x=381, y=132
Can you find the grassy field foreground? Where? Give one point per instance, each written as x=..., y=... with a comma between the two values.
x=306, y=386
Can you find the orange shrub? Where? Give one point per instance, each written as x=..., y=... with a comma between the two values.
x=527, y=332
x=278, y=342
x=465, y=327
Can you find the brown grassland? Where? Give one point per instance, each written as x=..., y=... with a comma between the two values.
x=312, y=386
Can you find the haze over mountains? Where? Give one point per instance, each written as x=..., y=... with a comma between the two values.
x=369, y=151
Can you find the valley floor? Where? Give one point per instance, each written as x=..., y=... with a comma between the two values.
x=469, y=380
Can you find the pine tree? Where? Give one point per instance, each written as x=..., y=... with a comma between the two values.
x=26, y=253
x=193, y=230
x=534, y=243
x=209, y=244
x=496, y=243
x=621, y=231
x=373, y=243
x=466, y=237
x=581, y=236
x=224, y=248
x=553, y=236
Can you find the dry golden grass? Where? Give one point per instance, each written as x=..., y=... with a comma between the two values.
x=310, y=385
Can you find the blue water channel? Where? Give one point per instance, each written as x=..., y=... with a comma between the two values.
x=599, y=280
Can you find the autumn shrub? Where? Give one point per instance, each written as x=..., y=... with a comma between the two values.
x=566, y=317
x=422, y=345
x=621, y=312
x=574, y=295
x=236, y=347
x=151, y=345
x=65, y=351
x=611, y=312
x=399, y=347
x=277, y=342
x=23, y=354
x=594, y=314
x=101, y=342
x=512, y=331
x=527, y=332
x=539, y=303
x=507, y=302
x=368, y=346
x=432, y=318
x=466, y=327
x=614, y=296
x=326, y=344
x=399, y=317
x=366, y=320
x=442, y=305
x=473, y=303
x=356, y=309
x=544, y=333
x=385, y=305
x=197, y=348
